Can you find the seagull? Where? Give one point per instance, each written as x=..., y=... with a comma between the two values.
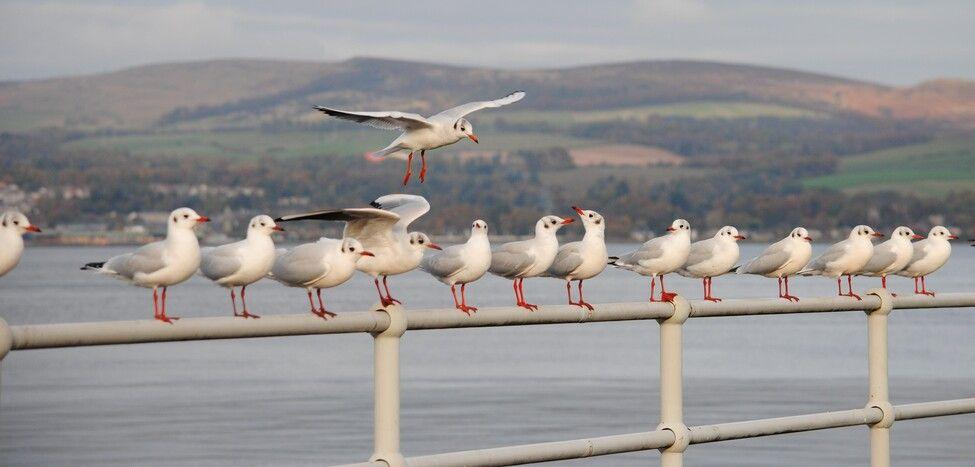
x=382, y=230
x=585, y=259
x=712, y=257
x=462, y=264
x=160, y=264
x=316, y=266
x=528, y=258
x=242, y=263
x=846, y=257
x=929, y=255
x=891, y=256
x=782, y=259
x=422, y=133
x=13, y=226
x=659, y=256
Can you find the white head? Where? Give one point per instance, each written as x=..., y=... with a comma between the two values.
x=590, y=219
x=905, y=234
x=262, y=225
x=464, y=129
x=185, y=219
x=729, y=233
x=941, y=232
x=548, y=225
x=479, y=227
x=420, y=240
x=17, y=222
x=679, y=227
x=864, y=231
x=351, y=246
x=800, y=234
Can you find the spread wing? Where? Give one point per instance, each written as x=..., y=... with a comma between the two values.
x=460, y=111
x=567, y=260
x=368, y=225
x=444, y=264
x=408, y=207
x=218, y=263
x=384, y=120
x=773, y=258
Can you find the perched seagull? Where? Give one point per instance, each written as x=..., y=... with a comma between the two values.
x=13, y=226
x=316, y=266
x=585, y=259
x=712, y=257
x=891, y=256
x=382, y=230
x=929, y=255
x=528, y=258
x=242, y=263
x=659, y=256
x=419, y=133
x=160, y=264
x=462, y=264
x=782, y=259
x=846, y=257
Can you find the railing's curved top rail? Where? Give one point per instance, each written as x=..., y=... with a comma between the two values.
x=226, y=327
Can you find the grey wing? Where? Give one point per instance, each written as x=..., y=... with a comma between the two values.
x=218, y=263
x=452, y=115
x=700, y=252
x=408, y=207
x=832, y=254
x=146, y=260
x=508, y=263
x=384, y=120
x=771, y=259
x=880, y=259
x=302, y=265
x=566, y=261
x=444, y=264
x=363, y=224
x=648, y=251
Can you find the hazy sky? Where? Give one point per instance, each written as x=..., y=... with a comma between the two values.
x=892, y=41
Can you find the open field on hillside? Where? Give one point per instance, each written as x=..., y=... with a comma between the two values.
x=931, y=169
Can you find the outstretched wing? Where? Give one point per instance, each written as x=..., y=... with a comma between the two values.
x=367, y=225
x=460, y=111
x=384, y=120
x=408, y=207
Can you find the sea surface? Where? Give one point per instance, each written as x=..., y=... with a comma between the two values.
x=308, y=400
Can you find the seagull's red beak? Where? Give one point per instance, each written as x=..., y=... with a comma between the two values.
x=807, y=238
x=277, y=228
x=952, y=237
x=434, y=246
x=33, y=228
x=203, y=219
x=567, y=220
x=473, y=138
x=917, y=237
x=671, y=229
x=367, y=253
x=741, y=237
x=578, y=210
x=877, y=234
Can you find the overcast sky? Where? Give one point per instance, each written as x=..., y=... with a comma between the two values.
x=892, y=41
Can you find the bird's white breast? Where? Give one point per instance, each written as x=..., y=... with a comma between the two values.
x=11, y=249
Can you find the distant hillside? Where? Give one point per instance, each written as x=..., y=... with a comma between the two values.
x=251, y=93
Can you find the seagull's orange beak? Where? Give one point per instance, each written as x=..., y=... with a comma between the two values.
x=671, y=229
x=567, y=220
x=203, y=219
x=877, y=234
x=367, y=253
x=917, y=237
x=807, y=238
x=578, y=210
x=741, y=237
x=277, y=228
x=473, y=138
x=952, y=237
x=33, y=228
x=434, y=246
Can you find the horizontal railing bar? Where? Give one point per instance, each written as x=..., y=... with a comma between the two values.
x=143, y=331
x=645, y=441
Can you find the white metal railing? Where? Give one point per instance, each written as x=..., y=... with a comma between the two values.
x=671, y=437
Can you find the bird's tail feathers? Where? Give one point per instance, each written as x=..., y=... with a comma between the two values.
x=380, y=155
x=93, y=267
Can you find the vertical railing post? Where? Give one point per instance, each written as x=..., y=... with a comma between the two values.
x=386, y=381
x=6, y=342
x=671, y=383
x=877, y=367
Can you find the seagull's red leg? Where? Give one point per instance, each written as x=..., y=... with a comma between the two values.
x=311, y=303
x=787, y=294
x=780, y=288
x=883, y=283
x=664, y=294
x=233, y=301
x=243, y=300
x=423, y=165
x=839, y=286
x=924, y=287
x=155, y=303
x=382, y=299
x=524, y=302
x=389, y=296
x=457, y=304
x=162, y=312
x=708, y=296
x=849, y=286
x=409, y=169
x=582, y=301
x=463, y=298
x=321, y=306
x=653, y=285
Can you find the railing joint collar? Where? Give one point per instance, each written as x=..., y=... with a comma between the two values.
x=682, y=436
x=886, y=408
x=6, y=339
x=886, y=301
x=682, y=311
x=397, y=321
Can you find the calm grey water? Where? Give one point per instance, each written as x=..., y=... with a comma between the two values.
x=308, y=400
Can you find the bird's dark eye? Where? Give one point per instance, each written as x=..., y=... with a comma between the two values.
x=421, y=241
x=16, y=222
x=553, y=222
x=175, y=219
x=598, y=221
x=590, y=215
x=186, y=216
x=352, y=249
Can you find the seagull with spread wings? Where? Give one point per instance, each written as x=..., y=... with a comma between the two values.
x=422, y=133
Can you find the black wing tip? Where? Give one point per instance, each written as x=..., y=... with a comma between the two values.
x=612, y=260
x=92, y=266
x=376, y=204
